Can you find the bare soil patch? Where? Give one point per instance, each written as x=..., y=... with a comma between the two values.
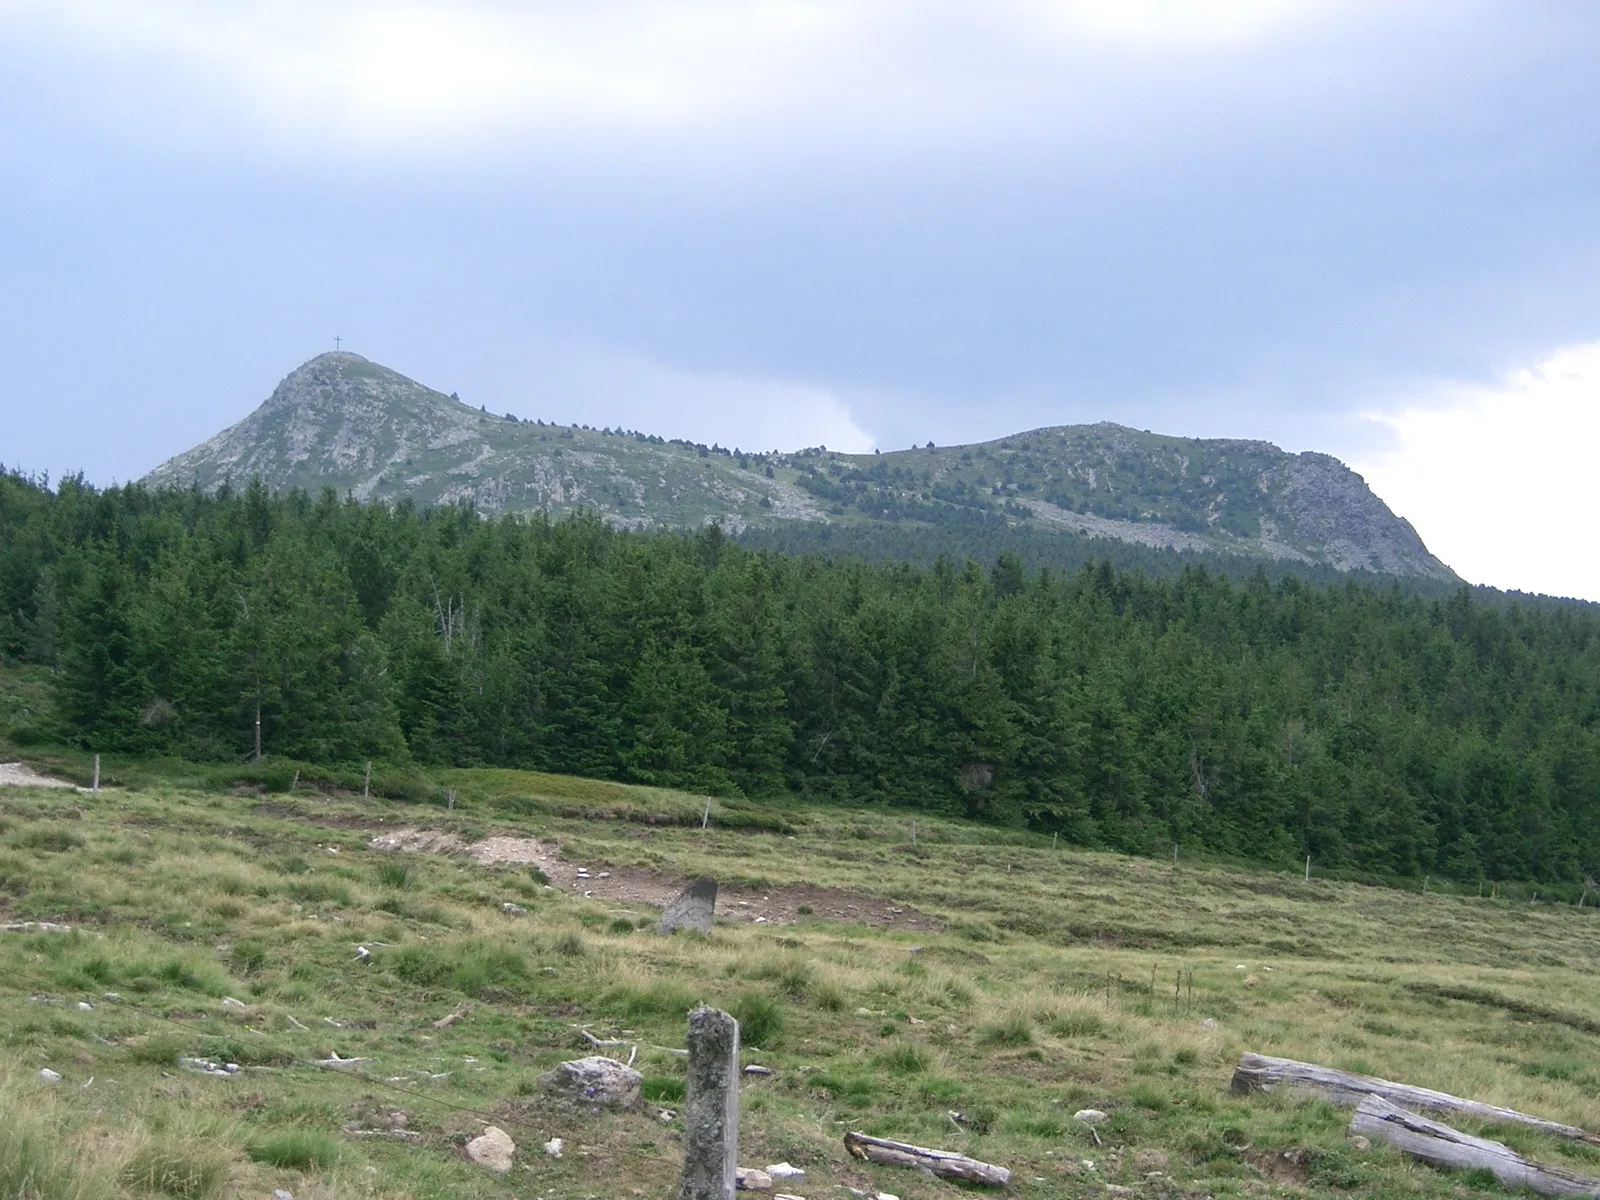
x=18, y=775
x=780, y=905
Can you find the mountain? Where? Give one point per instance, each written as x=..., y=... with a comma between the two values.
x=344, y=422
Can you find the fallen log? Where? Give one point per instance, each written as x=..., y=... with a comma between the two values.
x=941, y=1162
x=1261, y=1073
x=1442, y=1146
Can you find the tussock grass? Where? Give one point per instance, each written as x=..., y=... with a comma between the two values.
x=185, y=1164
x=39, y=1158
x=1034, y=999
x=295, y=1149
x=762, y=1019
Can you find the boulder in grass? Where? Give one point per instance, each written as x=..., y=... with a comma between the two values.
x=493, y=1150
x=693, y=909
x=595, y=1081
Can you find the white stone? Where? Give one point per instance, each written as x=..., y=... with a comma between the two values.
x=493, y=1150
x=49, y=1076
x=757, y=1069
x=1089, y=1116
x=786, y=1173
x=230, y=1002
x=85, y=1006
x=748, y=1179
x=553, y=1147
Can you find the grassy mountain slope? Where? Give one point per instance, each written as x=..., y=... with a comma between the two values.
x=344, y=422
x=1052, y=980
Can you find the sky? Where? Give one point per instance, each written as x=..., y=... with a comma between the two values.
x=1365, y=228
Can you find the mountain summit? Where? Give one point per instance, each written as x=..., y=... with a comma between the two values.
x=345, y=422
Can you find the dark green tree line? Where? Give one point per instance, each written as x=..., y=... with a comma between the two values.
x=1266, y=718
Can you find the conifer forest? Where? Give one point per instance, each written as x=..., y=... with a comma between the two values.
x=1264, y=718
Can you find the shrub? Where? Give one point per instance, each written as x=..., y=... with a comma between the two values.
x=761, y=1019
x=294, y=1150
x=621, y=925
x=538, y=876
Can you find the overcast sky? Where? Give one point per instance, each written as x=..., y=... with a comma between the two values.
x=1366, y=228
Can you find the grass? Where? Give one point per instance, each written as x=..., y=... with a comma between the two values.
x=1056, y=980
x=295, y=1149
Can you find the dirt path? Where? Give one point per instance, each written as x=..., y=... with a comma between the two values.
x=17, y=775
x=776, y=906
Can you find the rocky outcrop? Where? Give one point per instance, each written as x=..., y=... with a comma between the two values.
x=345, y=423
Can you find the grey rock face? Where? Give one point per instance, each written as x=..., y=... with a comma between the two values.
x=601, y=1082
x=692, y=909
x=343, y=422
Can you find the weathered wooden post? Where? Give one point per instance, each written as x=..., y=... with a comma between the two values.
x=366, y=782
x=96, y=786
x=711, y=1107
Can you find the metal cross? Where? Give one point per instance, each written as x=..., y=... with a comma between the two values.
x=336, y=340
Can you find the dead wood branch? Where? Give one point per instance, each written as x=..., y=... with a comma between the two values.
x=1261, y=1073
x=1442, y=1146
x=943, y=1163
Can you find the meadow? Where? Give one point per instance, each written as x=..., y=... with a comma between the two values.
x=1006, y=983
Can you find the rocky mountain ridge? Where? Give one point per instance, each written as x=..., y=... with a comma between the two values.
x=344, y=422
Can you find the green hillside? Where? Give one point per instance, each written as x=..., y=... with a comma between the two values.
x=971, y=992
x=341, y=421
